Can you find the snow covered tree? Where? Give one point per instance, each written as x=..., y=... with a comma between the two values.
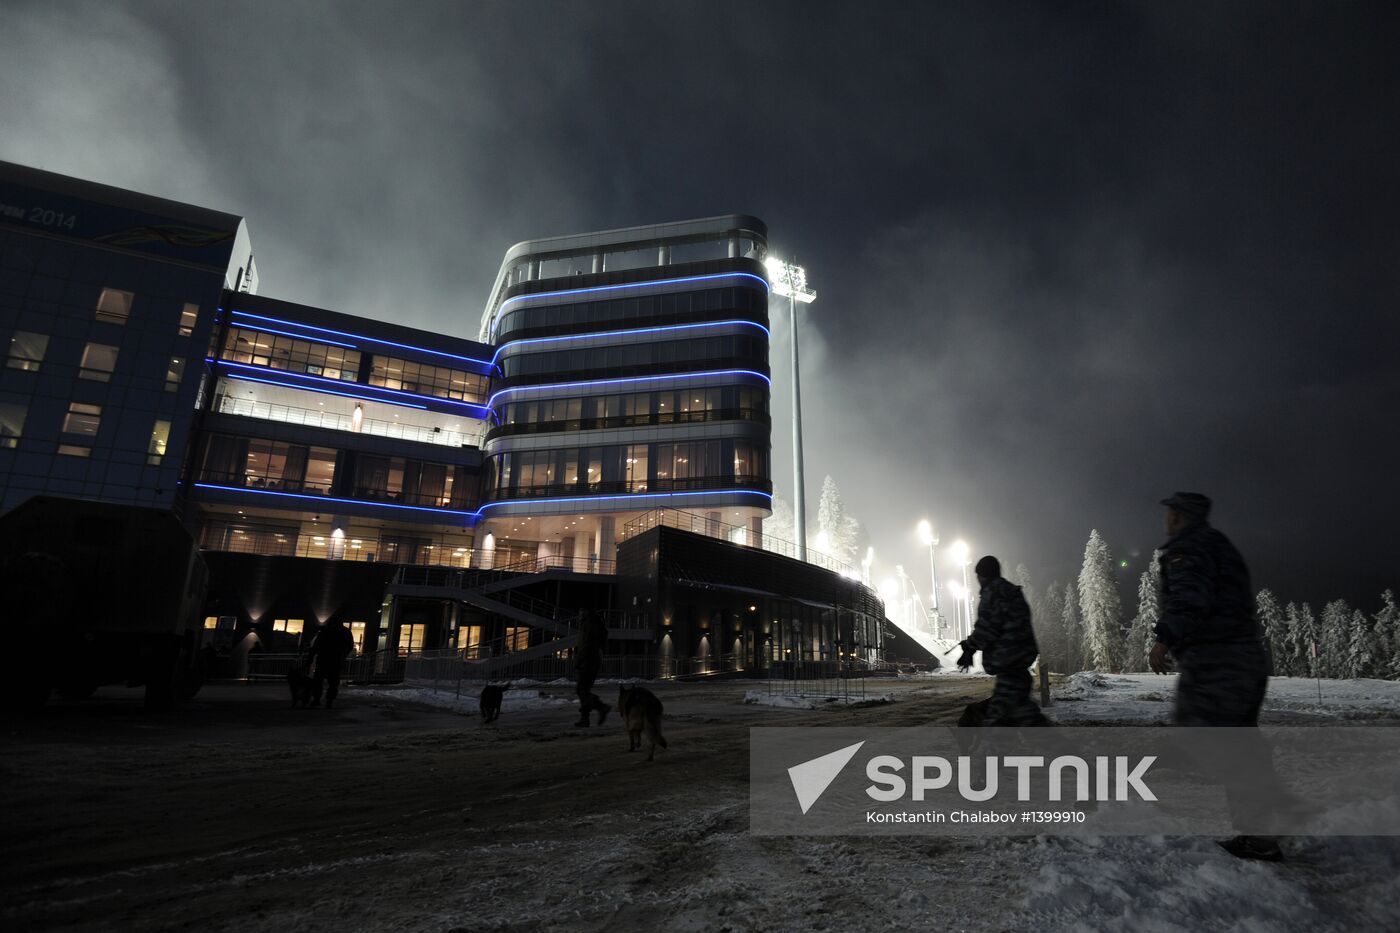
x=1387, y=637
x=1142, y=633
x=1302, y=635
x=1072, y=632
x=781, y=525
x=1099, y=603
x=1359, y=657
x=1334, y=634
x=844, y=535
x=1275, y=626
x=1048, y=624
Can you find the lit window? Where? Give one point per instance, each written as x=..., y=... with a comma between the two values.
x=410, y=639
x=11, y=423
x=517, y=638
x=174, y=374
x=357, y=632
x=82, y=419
x=74, y=450
x=188, y=318
x=160, y=436
x=211, y=622
x=114, y=305
x=99, y=360
x=27, y=350
x=290, y=626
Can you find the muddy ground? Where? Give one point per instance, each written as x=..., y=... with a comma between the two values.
x=239, y=813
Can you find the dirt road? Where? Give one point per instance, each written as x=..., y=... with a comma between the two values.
x=238, y=813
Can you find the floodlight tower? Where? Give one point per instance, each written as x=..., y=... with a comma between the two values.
x=791, y=280
x=929, y=539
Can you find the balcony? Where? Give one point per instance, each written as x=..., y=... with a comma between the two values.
x=339, y=421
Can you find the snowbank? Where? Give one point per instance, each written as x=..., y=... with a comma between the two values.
x=1147, y=698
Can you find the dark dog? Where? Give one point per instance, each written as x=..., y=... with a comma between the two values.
x=491, y=696
x=641, y=712
x=302, y=685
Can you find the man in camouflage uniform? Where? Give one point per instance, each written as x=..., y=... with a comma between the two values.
x=1004, y=636
x=1209, y=628
x=588, y=662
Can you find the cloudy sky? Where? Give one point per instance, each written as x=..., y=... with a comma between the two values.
x=1069, y=257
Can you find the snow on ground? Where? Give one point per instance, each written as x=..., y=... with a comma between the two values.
x=1091, y=697
x=469, y=702
x=786, y=701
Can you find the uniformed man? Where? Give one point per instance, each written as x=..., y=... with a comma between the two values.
x=1208, y=627
x=1004, y=636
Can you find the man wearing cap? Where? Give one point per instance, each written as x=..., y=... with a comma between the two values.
x=1004, y=636
x=1208, y=627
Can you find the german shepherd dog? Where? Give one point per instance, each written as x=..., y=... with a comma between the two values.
x=641, y=712
x=491, y=696
x=302, y=686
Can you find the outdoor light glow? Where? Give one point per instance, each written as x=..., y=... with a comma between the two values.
x=955, y=589
x=960, y=551
x=789, y=281
x=925, y=532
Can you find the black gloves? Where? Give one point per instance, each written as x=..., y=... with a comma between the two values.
x=967, y=659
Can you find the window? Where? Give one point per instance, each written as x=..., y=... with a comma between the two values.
x=160, y=436
x=27, y=350
x=357, y=632
x=11, y=423
x=517, y=639
x=74, y=450
x=280, y=352
x=99, y=360
x=82, y=419
x=469, y=641
x=211, y=622
x=174, y=374
x=290, y=626
x=114, y=305
x=189, y=317
x=411, y=639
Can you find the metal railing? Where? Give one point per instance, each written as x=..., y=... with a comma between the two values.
x=833, y=680
x=703, y=525
x=372, y=667
x=288, y=541
x=424, y=434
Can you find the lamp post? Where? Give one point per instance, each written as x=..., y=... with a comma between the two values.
x=791, y=280
x=930, y=541
x=960, y=551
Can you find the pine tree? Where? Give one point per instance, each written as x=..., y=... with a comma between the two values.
x=1359, y=656
x=781, y=525
x=843, y=533
x=1099, y=602
x=1072, y=632
x=1142, y=633
x=1275, y=626
x=1387, y=637
x=1049, y=632
x=1334, y=634
x=1302, y=636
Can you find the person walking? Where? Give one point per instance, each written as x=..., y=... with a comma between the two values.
x=329, y=650
x=1209, y=629
x=588, y=662
x=1004, y=636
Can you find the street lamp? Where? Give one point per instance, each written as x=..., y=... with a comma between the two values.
x=930, y=540
x=791, y=280
x=960, y=552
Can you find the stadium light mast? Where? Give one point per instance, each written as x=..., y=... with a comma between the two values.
x=791, y=281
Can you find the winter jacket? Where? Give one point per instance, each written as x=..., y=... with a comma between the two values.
x=1206, y=596
x=1003, y=631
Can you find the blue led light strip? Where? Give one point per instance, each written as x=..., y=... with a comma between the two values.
x=358, y=398
x=340, y=383
x=341, y=333
x=283, y=333
x=297, y=495
x=491, y=402
x=610, y=288
x=475, y=516
x=619, y=333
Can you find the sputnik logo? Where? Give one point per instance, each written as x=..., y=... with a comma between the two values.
x=811, y=778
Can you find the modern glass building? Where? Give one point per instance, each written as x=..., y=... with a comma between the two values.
x=433, y=492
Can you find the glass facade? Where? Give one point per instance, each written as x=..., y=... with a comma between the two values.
x=706, y=304
x=634, y=359
x=633, y=409
x=628, y=468
x=256, y=348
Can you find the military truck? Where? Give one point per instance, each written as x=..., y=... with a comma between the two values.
x=94, y=593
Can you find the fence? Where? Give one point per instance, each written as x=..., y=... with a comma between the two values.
x=837, y=680
x=374, y=667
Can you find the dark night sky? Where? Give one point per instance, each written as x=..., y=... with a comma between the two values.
x=1069, y=257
